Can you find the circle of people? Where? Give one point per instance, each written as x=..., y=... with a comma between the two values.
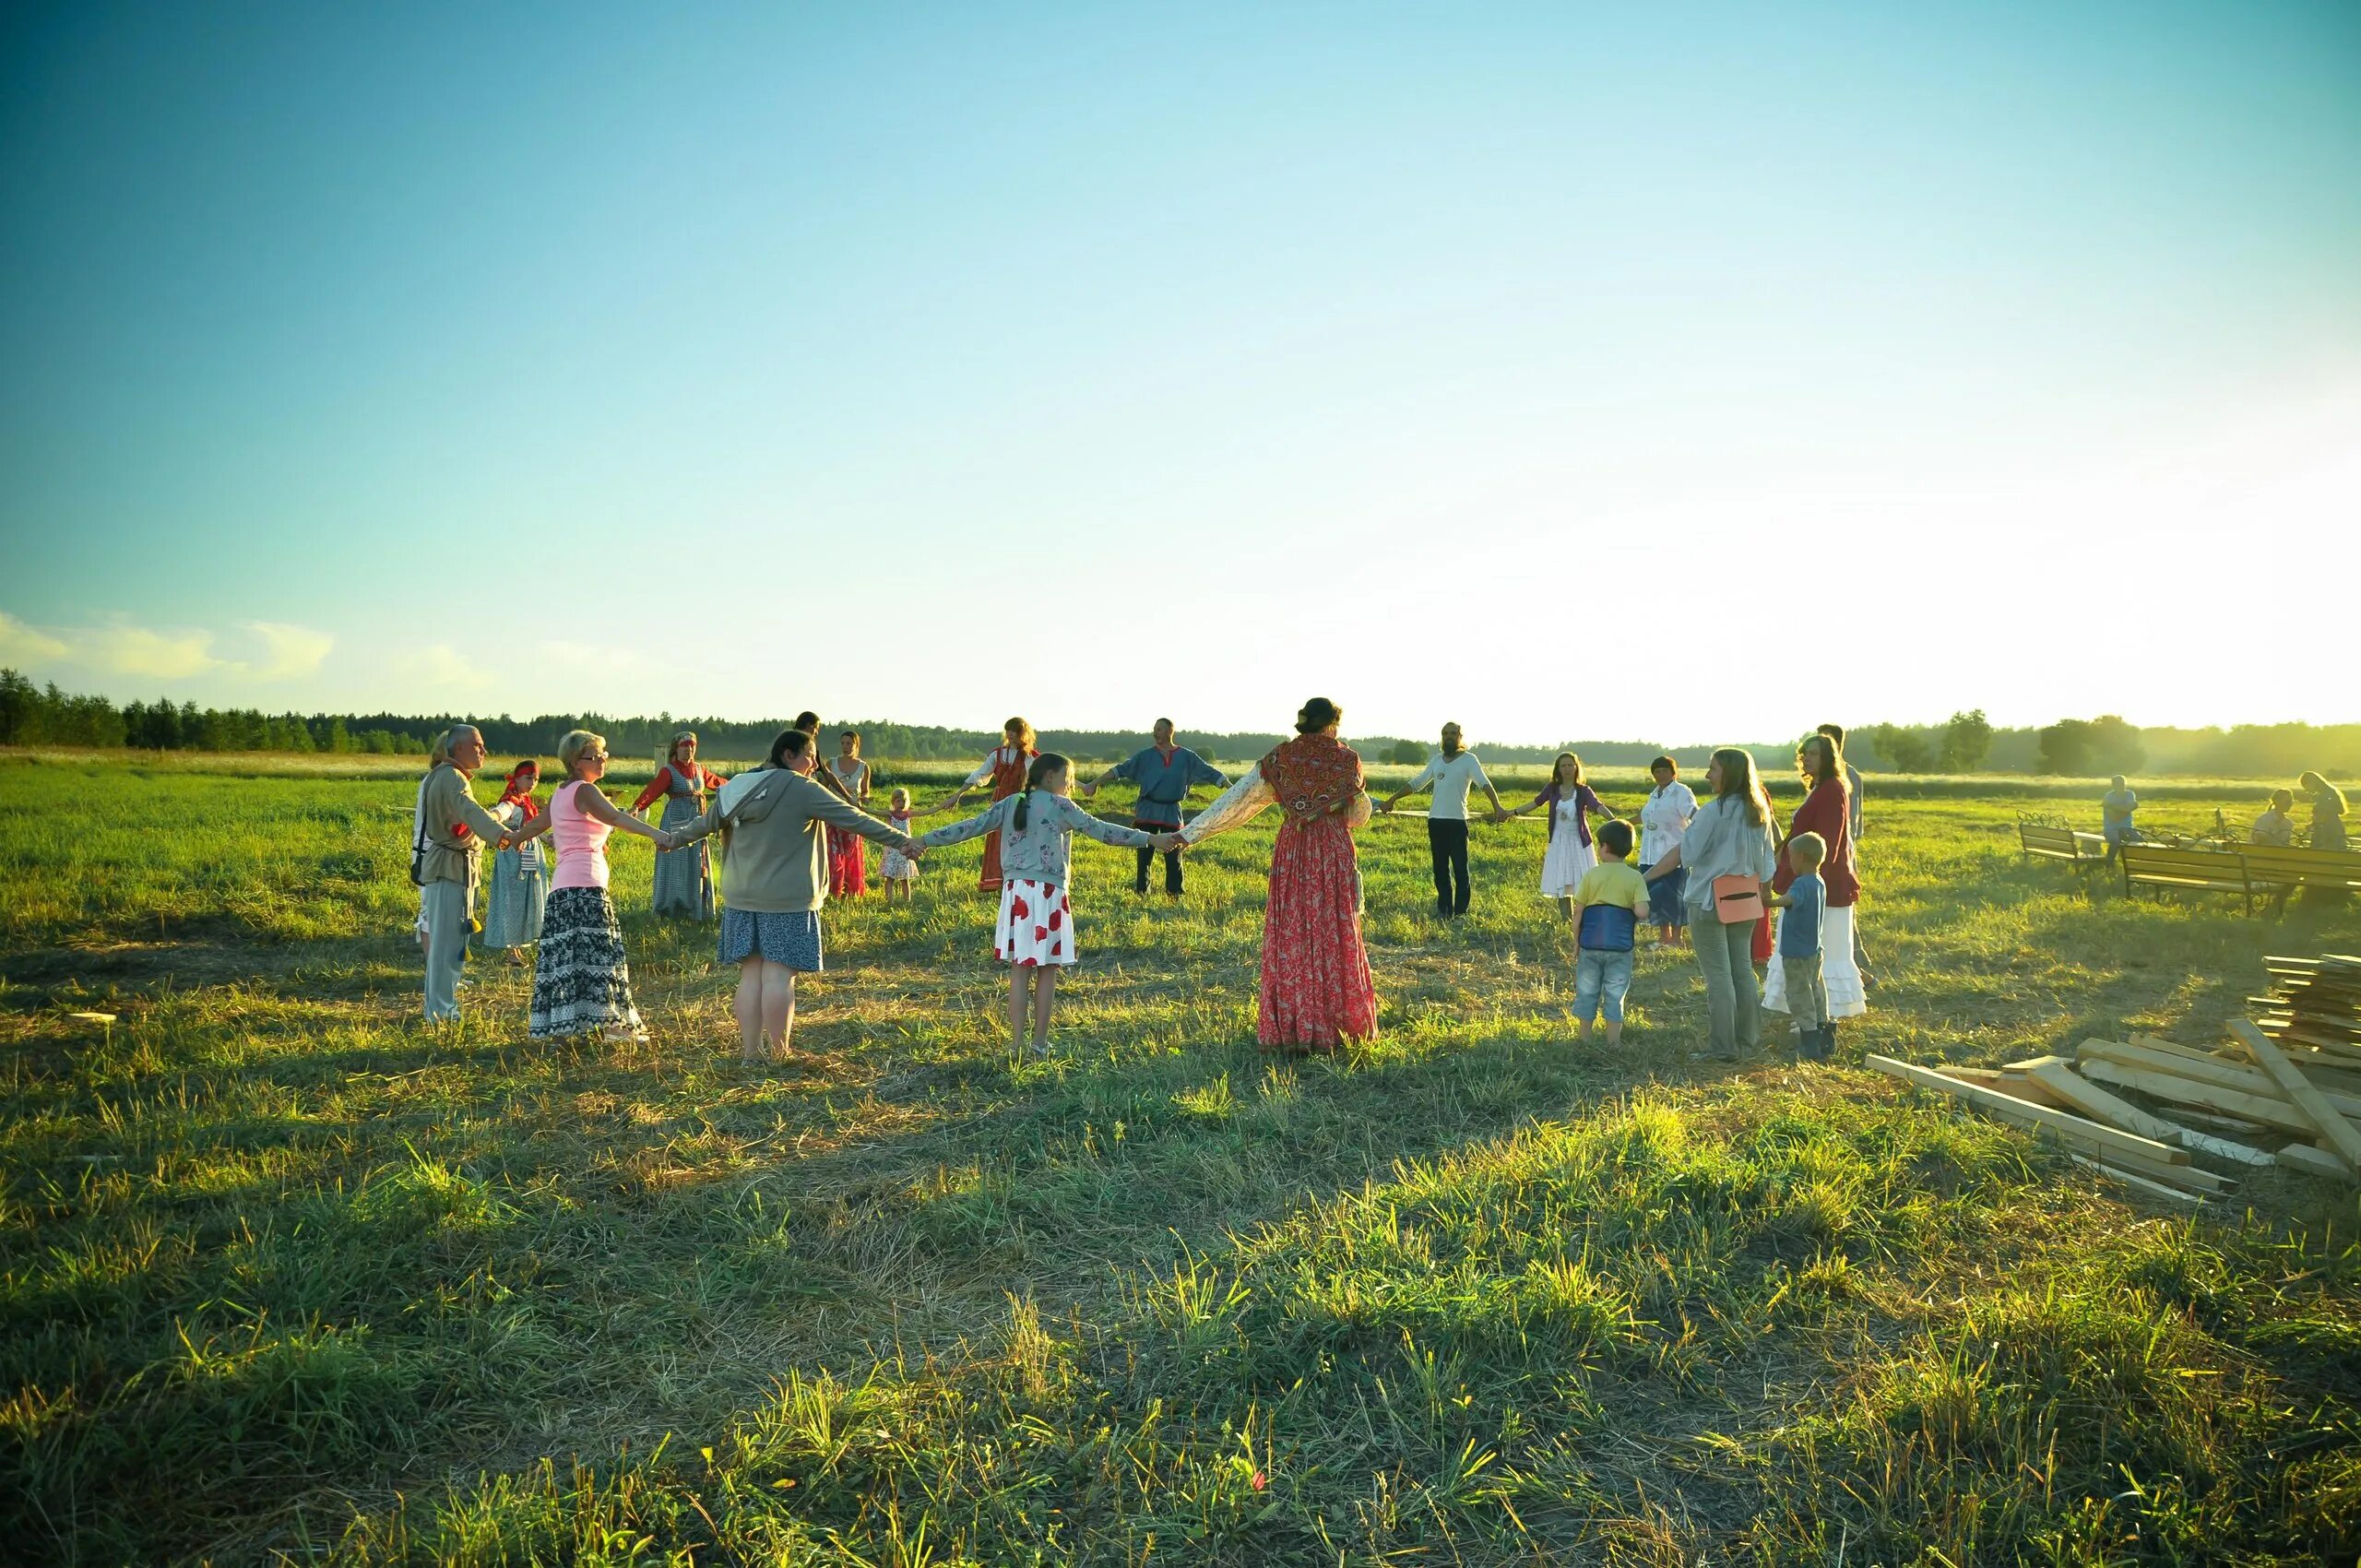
x=1716, y=876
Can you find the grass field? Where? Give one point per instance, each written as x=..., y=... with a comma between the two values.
x=288, y=1277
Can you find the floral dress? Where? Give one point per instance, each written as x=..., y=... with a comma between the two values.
x=848, y=862
x=1316, y=990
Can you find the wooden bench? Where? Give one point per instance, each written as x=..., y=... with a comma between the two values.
x=2189, y=871
x=2081, y=850
x=2274, y=868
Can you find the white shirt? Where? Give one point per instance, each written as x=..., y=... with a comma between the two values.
x=1663, y=820
x=1452, y=777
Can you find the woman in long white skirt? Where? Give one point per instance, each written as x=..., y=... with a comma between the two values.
x=1571, y=803
x=1826, y=811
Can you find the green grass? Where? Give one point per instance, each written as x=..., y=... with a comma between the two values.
x=284, y=1276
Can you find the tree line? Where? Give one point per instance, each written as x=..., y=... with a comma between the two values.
x=1966, y=743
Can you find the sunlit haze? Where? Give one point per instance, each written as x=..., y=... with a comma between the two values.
x=1690, y=374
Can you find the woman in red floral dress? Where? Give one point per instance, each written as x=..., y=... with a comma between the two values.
x=1316, y=990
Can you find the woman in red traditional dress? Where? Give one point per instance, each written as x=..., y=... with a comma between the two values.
x=848, y=862
x=1316, y=990
x=1005, y=767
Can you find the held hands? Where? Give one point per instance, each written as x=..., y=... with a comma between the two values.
x=1169, y=843
x=1090, y=789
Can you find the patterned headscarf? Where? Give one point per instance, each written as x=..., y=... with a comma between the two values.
x=519, y=790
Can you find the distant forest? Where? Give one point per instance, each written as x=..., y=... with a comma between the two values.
x=44, y=716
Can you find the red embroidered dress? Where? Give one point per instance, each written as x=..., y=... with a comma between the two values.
x=1316, y=990
x=1007, y=764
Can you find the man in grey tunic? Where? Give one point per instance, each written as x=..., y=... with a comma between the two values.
x=451, y=833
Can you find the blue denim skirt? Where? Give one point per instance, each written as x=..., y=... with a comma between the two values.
x=790, y=939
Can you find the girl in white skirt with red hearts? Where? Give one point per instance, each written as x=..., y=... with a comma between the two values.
x=1035, y=934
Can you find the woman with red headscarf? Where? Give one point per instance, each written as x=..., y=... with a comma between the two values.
x=683, y=877
x=1316, y=990
x=520, y=881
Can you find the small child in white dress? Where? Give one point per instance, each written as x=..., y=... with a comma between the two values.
x=900, y=872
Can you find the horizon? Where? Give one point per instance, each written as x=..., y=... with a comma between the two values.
x=1145, y=362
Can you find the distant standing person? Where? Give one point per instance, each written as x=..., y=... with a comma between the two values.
x=581, y=979
x=1163, y=772
x=2328, y=811
x=1730, y=837
x=1802, y=937
x=1664, y=818
x=848, y=864
x=1005, y=767
x=2115, y=816
x=683, y=877
x=1451, y=773
x=513, y=903
x=1824, y=815
x=447, y=835
x=1853, y=825
x=1571, y=804
x=773, y=881
x=809, y=722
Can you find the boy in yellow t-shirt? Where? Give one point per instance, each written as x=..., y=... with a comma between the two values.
x=1609, y=903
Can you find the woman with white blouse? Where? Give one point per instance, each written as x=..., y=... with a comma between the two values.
x=1664, y=819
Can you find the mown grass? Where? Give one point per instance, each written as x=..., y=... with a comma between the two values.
x=286, y=1276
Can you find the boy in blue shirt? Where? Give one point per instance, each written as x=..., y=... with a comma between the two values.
x=1609, y=903
x=1805, y=901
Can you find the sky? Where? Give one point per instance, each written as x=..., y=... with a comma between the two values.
x=1690, y=373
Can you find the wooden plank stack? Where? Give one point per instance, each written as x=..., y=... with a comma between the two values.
x=2258, y=1101
x=2314, y=1005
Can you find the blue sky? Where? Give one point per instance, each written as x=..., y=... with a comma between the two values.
x=1688, y=372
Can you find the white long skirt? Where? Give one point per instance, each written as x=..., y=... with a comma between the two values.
x=1846, y=997
x=1562, y=867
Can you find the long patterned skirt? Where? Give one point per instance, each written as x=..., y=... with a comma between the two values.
x=580, y=979
x=848, y=864
x=683, y=877
x=1316, y=986
x=513, y=900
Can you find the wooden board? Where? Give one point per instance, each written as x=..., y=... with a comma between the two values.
x=2337, y=1133
x=2142, y=1183
x=2312, y=1161
x=2064, y=1124
x=2224, y=1148
x=2268, y=1112
x=2099, y=1105
x=2215, y=1070
x=2001, y=1081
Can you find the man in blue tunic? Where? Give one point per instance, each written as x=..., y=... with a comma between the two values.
x=1164, y=773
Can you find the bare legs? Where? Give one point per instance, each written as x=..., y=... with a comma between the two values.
x=764, y=1008
x=1032, y=988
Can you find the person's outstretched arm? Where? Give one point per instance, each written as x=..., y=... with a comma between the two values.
x=1236, y=806
x=985, y=821
x=657, y=789
x=596, y=807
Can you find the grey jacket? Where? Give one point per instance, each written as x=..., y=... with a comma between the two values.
x=1039, y=853
x=447, y=806
x=774, y=848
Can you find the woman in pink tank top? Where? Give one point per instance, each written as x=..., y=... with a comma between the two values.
x=581, y=981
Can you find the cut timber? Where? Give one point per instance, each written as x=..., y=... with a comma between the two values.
x=2213, y=1070
x=2029, y=1064
x=2016, y=1085
x=2154, y=1189
x=2100, y=1106
x=2224, y=1148
x=2335, y=1131
x=2312, y=1161
x=2065, y=1125
x=2270, y=1113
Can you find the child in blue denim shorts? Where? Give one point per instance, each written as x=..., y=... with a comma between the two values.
x=1609, y=903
